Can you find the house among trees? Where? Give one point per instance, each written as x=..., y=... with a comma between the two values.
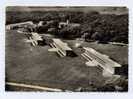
x=67, y=23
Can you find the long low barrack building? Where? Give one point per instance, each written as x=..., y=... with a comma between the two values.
x=95, y=58
x=60, y=47
x=16, y=25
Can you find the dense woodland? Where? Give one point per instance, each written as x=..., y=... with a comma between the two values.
x=94, y=26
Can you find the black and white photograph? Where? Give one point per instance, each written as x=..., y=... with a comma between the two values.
x=66, y=48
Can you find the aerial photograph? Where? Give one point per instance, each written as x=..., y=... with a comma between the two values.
x=66, y=48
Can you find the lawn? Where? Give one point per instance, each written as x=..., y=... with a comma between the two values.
x=35, y=65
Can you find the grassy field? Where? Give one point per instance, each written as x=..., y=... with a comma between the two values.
x=35, y=65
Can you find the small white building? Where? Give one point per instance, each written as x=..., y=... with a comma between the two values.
x=35, y=38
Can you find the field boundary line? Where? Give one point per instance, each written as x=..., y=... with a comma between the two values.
x=33, y=86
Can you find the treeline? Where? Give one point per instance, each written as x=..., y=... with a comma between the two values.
x=94, y=26
x=107, y=28
x=36, y=16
